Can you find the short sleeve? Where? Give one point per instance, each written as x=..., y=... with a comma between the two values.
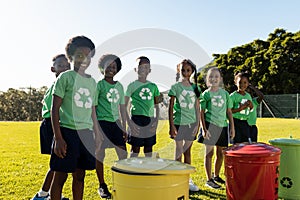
x=60, y=85
x=172, y=91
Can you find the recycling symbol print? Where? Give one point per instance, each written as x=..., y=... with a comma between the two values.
x=286, y=182
x=113, y=95
x=217, y=101
x=182, y=99
x=145, y=94
x=82, y=98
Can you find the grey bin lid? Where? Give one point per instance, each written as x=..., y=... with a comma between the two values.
x=285, y=142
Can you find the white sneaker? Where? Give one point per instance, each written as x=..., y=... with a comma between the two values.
x=192, y=186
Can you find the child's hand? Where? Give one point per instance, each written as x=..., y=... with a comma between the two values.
x=60, y=148
x=196, y=130
x=125, y=136
x=232, y=133
x=206, y=134
x=172, y=132
x=154, y=126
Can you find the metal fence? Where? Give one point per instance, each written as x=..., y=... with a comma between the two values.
x=280, y=106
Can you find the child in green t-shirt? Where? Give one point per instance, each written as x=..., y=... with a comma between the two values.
x=144, y=96
x=184, y=118
x=242, y=104
x=257, y=97
x=60, y=64
x=73, y=120
x=110, y=103
x=215, y=110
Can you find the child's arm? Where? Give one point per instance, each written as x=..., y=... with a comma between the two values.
x=98, y=135
x=206, y=133
x=123, y=119
x=130, y=123
x=259, y=94
x=242, y=107
x=60, y=146
x=196, y=130
x=231, y=123
x=172, y=131
x=156, y=104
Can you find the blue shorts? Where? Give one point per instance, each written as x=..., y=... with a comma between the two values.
x=219, y=135
x=80, y=151
x=113, y=134
x=145, y=137
x=185, y=132
x=242, y=131
x=46, y=136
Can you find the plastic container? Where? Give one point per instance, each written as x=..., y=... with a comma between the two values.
x=150, y=178
x=252, y=171
x=289, y=173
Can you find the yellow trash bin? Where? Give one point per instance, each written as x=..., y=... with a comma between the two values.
x=150, y=178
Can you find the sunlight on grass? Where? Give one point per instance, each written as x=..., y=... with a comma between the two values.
x=23, y=168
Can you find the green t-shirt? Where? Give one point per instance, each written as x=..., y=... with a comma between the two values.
x=142, y=97
x=184, y=106
x=78, y=95
x=238, y=99
x=47, y=103
x=110, y=96
x=215, y=105
x=253, y=113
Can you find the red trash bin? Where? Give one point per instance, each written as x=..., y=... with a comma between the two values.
x=252, y=171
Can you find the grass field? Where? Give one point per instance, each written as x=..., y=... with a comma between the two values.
x=23, y=168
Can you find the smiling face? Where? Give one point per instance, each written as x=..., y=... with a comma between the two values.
x=186, y=71
x=81, y=58
x=213, y=78
x=242, y=83
x=110, y=69
x=143, y=70
x=60, y=64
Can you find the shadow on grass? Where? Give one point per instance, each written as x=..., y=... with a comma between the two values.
x=206, y=194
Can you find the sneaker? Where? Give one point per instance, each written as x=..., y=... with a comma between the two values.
x=212, y=184
x=37, y=197
x=192, y=186
x=219, y=179
x=103, y=191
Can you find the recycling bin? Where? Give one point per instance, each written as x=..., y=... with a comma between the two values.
x=251, y=171
x=289, y=173
x=150, y=178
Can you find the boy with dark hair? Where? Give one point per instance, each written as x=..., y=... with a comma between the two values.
x=73, y=120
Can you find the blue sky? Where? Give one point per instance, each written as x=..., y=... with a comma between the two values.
x=33, y=31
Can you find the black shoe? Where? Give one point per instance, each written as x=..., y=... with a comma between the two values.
x=103, y=191
x=212, y=184
x=219, y=179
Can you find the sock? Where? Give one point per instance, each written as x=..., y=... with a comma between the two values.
x=42, y=193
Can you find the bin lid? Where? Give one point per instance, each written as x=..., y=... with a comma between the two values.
x=285, y=141
x=251, y=150
x=153, y=166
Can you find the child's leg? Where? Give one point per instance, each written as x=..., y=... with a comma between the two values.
x=148, y=151
x=178, y=150
x=121, y=152
x=59, y=180
x=187, y=151
x=78, y=184
x=48, y=180
x=134, y=151
x=209, y=151
x=100, y=154
x=218, y=161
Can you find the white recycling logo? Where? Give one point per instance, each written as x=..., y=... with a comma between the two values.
x=113, y=95
x=145, y=94
x=247, y=110
x=217, y=101
x=82, y=98
x=182, y=99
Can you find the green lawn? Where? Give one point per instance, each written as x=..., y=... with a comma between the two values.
x=23, y=167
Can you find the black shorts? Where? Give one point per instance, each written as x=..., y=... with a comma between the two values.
x=145, y=137
x=80, y=151
x=219, y=135
x=185, y=132
x=253, y=133
x=242, y=131
x=113, y=134
x=46, y=136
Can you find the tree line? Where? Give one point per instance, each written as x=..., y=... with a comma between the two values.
x=274, y=65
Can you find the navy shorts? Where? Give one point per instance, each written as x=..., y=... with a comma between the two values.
x=219, y=135
x=242, y=131
x=113, y=134
x=46, y=136
x=80, y=151
x=185, y=132
x=145, y=137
